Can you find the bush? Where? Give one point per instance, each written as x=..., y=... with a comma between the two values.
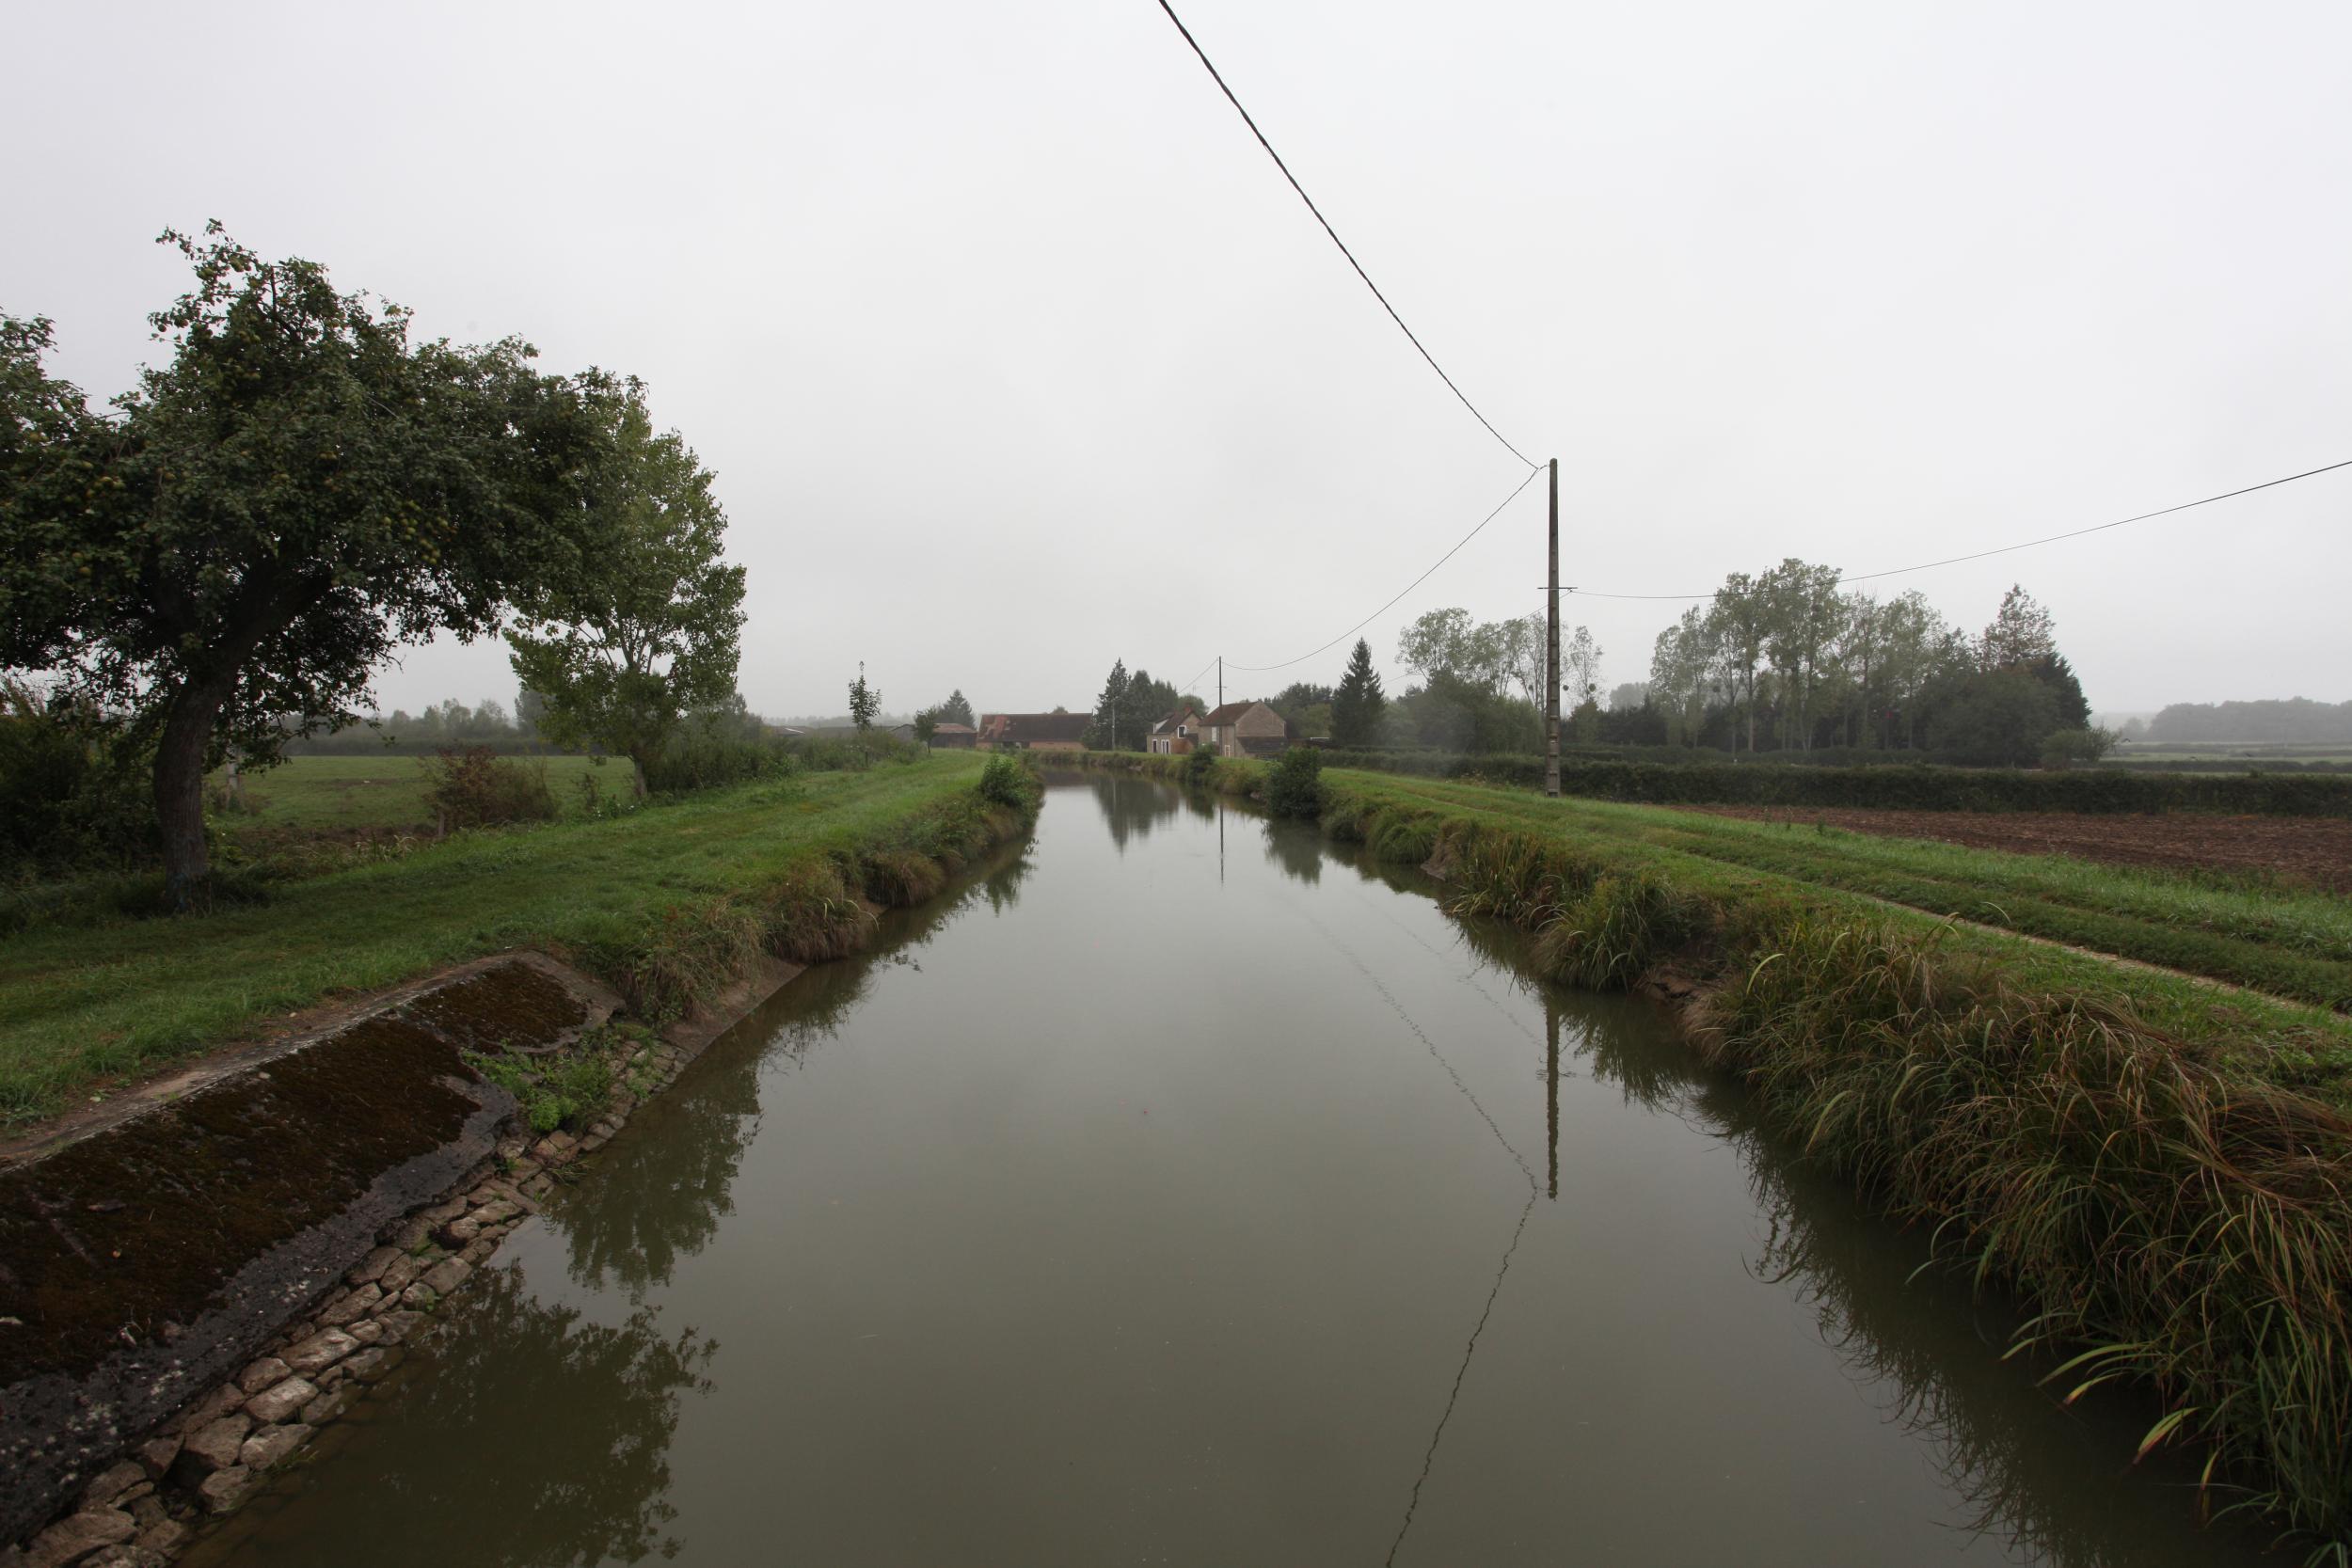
x=74, y=793
x=707, y=755
x=1294, y=783
x=1005, y=783
x=478, y=788
x=2065, y=748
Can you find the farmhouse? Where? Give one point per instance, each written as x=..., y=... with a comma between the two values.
x=1245, y=729
x=953, y=738
x=1034, y=731
x=1174, y=735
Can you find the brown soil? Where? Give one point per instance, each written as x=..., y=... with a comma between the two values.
x=2298, y=850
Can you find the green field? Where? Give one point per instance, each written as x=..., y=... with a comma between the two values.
x=315, y=794
x=89, y=1003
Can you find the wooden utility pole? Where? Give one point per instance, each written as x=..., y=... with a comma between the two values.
x=1220, y=680
x=1551, y=650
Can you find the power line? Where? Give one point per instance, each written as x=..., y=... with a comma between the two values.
x=1265, y=669
x=1217, y=77
x=2003, y=550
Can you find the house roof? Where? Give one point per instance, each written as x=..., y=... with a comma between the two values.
x=1034, y=727
x=953, y=729
x=1175, y=717
x=1230, y=712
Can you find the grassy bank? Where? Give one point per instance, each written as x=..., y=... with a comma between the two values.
x=667, y=903
x=380, y=792
x=2162, y=1174
x=1905, y=786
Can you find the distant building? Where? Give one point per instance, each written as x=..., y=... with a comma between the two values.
x=1035, y=732
x=1176, y=734
x=1245, y=729
x=953, y=738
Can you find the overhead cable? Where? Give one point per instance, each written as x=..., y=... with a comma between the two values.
x=1265, y=669
x=1219, y=78
x=2003, y=550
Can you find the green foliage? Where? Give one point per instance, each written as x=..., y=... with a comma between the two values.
x=718, y=746
x=865, y=701
x=1200, y=763
x=2169, y=1223
x=1007, y=783
x=2065, y=748
x=957, y=709
x=73, y=793
x=478, y=788
x=1358, y=707
x=569, y=1090
x=297, y=492
x=1293, y=784
x=641, y=625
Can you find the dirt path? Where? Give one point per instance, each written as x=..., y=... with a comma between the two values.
x=2311, y=851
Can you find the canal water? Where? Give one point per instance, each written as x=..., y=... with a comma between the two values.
x=1178, y=1190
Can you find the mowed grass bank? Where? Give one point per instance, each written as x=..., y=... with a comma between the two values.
x=668, y=904
x=2289, y=942
x=2160, y=1173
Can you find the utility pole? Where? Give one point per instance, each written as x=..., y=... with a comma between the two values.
x=1551, y=650
x=1220, y=680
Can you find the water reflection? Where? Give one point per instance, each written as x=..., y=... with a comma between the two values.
x=1919, y=1348
x=1297, y=850
x=1131, y=807
x=660, y=1194
x=470, y=1437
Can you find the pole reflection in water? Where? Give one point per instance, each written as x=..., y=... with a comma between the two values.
x=1128, y=1205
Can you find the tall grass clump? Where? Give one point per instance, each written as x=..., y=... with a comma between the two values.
x=812, y=916
x=688, y=952
x=1626, y=924
x=2192, y=1229
x=1402, y=837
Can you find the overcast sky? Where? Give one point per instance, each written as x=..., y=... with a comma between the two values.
x=1013, y=353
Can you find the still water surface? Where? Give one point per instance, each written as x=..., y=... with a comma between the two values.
x=1178, y=1192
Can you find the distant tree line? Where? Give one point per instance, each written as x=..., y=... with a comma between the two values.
x=2273, y=721
x=1784, y=661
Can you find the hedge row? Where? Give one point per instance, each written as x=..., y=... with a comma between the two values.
x=1909, y=788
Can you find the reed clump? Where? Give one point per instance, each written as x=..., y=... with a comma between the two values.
x=691, y=951
x=1628, y=923
x=2186, y=1225
x=813, y=917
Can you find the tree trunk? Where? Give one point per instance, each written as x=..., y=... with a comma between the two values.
x=637, y=775
x=179, y=788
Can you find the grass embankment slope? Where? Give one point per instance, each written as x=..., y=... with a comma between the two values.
x=2288, y=942
x=668, y=904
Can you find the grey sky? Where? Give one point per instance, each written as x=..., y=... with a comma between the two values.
x=1012, y=353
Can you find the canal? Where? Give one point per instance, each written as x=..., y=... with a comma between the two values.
x=1177, y=1190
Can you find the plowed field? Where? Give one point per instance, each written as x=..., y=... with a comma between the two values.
x=2315, y=851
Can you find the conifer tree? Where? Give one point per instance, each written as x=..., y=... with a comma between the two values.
x=1357, y=706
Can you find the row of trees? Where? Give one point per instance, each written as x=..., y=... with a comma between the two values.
x=301, y=489
x=2276, y=721
x=1785, y=660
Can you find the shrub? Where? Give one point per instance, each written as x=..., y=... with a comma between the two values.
x=2063, y=747
x=1294, y=783
x=478, y=788
x=75, y=792
x=1006, y=783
